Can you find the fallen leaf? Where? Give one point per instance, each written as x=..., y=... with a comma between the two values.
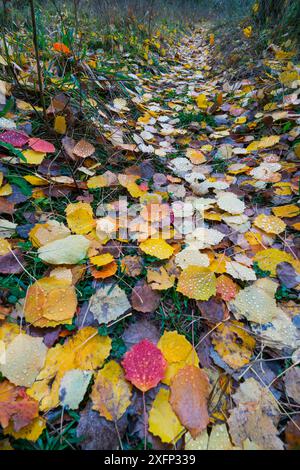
x=189, y=394
x=111, y=393
x=163, y=422
x=144, y=365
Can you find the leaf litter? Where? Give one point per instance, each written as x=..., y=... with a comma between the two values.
x=186, y=145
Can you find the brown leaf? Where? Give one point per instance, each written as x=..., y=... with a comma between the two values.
x=212, y=310
x=11, y=263
x=143, y=298
x=189, y=393
x=97, y=433
x=141, y=329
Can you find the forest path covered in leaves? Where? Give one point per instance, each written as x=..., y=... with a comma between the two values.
x=158, y=286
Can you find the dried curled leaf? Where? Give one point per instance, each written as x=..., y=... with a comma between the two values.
x=255, y=417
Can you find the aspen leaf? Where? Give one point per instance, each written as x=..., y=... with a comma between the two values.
x=163, y=422
x=233, y=344
x=60, y=125
x=73, y=387
x=264, y=143
x=85, y=351
x=157, y=247
x=83, y=149
x=178, y=353
x=33, y=157
x=41, y=234
x=40, y=145
x=24, y=359
x=80, y=218
x=197, y=283
x=109, y=303
x=189, y=394
x=269, y=224
x=31, y=432
x=111, y=393
x=16, y=407
x=289, y=210
x=144, y=365
x=70, y=250
x=268, y=259
x=217, y=440
x=50, y=302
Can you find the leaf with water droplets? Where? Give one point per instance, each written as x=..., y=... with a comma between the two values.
x=144, y=365
x=196, y=282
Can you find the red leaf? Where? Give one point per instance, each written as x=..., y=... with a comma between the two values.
x=144, y=365
x=17, y=139
x=40, y=145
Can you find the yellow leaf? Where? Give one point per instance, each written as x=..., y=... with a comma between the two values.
x=102, y=260
x=24, y=358
x=41, y=234
x=31, y=432
x=111, y=392
x=195, y=156
x=248, y=31
x=268, y=259
x=85, y=351
x=269, y=224
x=163, y=422
x=6, y=190
x=60, y=125
x=4, y=246
x=264, y=143
x=97, y=182
x=211, y=39
x=178, y=353
x=69, y=250
x=233, y=344
x=159, y=278
x=36, y=180
x=32, y=157
x=202, y=101
x=291, y=210
x=175, y=347
x=80, y=218
x=157, y=247
x=289, y=76
x=196, y=282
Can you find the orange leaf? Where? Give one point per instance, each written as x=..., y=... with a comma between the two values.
x=189, y=393
x=61, y=47
x=16, y=406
